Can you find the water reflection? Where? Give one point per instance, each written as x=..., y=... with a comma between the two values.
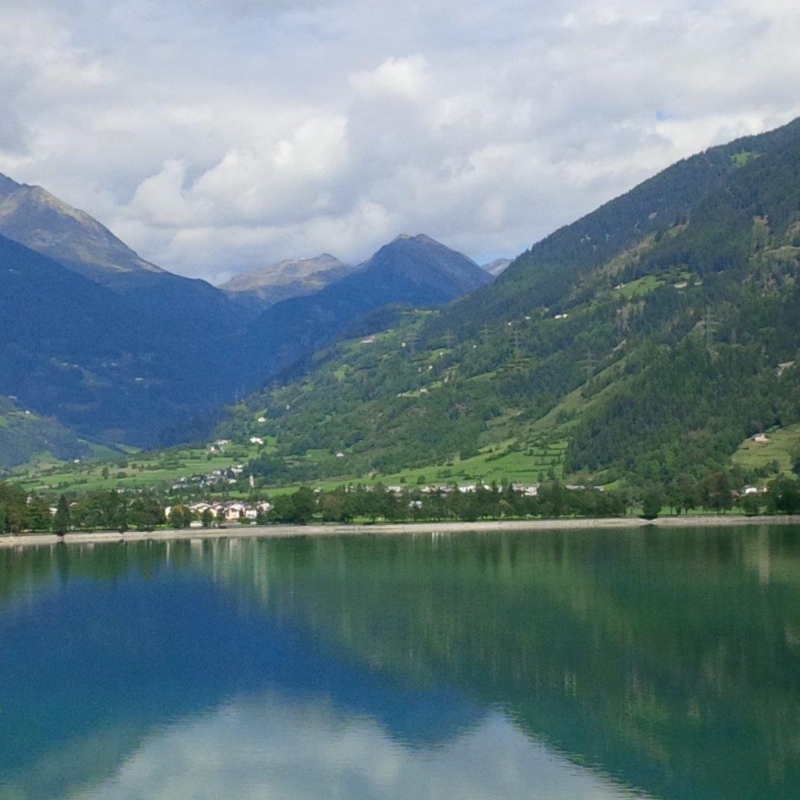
x=269, y=748
x=668, y=661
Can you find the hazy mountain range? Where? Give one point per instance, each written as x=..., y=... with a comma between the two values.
x=294, y=277
x=119, y=349
x=268, y=285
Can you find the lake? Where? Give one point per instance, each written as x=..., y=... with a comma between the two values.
x=556, y=665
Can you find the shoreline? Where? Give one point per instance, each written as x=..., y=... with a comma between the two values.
x=430, y=528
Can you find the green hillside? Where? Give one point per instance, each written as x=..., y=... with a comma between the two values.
x=24, y=435
x=644, y=342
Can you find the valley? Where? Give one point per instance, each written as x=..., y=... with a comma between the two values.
x=644, y=345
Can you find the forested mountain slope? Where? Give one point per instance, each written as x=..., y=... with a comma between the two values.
x=545, y=274
x=644, y=342
x=75, y=350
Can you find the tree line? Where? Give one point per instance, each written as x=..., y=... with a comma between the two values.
x=110, y=510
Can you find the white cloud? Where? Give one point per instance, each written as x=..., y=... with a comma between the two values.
x=401, y=77
x=216, y=136
x=160, y=199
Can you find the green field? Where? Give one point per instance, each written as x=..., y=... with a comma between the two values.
x=782, y=448
x=640, y=288
x=132, y=471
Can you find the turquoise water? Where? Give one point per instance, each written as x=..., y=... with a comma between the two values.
x=580, y=664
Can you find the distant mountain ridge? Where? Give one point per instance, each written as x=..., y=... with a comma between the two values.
x=35, y=218
x=75, y=350
x=32, y=216
x=545, y=273
x=293, y=277
x=441, y=274
x=497, y=266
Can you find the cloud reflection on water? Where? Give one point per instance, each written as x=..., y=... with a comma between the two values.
x=269, y=749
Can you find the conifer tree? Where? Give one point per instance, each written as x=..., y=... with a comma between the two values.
x=61, y=520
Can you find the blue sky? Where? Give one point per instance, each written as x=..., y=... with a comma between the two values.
x=220, y=136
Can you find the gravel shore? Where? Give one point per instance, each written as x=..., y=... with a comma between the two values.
x=281, y=531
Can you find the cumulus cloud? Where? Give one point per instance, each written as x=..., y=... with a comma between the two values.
x=400, y=77
x=218, y=136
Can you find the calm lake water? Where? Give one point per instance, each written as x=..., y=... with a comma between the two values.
x=555, y=666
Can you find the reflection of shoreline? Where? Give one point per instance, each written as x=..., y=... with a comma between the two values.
x=282, y=531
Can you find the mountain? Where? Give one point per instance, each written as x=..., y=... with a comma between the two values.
x=415, y=271
x=643, y=343
x=290, y=278
x=47, y=310
x=494, y=268
x=545, y=274
x=434, y=274
x=32, y=216
x=35, y=218
x=117, y=350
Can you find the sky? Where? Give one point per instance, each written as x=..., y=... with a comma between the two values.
x=215, y=137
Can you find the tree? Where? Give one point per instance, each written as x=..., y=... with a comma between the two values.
x=146, y=513
x=688, y=494
x=750, y=504
x=716, y=492
x=652, y=501
x=553, y=500
x=38, y=514
x=332, y=505
x=283, y=508
x=13, y=503
x=61, y=519
x=180, y=516
x=120, y=520
x=785, y=495
x=305, y=503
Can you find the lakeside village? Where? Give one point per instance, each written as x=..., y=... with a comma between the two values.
x=143, y=510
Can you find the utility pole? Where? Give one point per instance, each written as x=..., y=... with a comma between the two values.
x=710, y=325
x=589, y=364
x=516, y=339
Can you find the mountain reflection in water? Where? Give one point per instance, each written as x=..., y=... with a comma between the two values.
x=548, y=665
